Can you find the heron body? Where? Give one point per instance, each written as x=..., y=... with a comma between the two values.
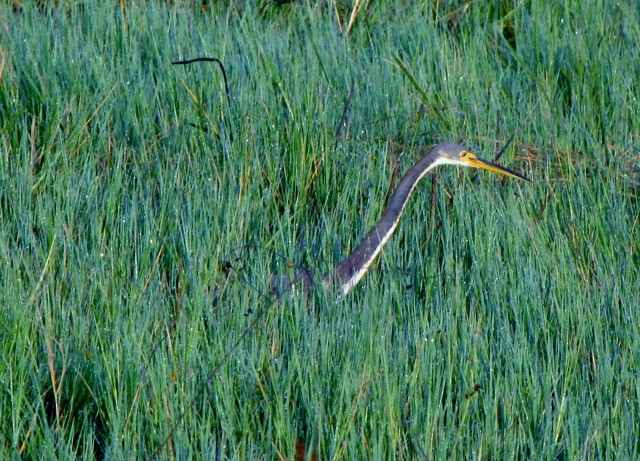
x=351, y=270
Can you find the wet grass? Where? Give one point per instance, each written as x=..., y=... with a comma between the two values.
x=143, y=212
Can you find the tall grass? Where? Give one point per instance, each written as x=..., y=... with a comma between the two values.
x=143, y=212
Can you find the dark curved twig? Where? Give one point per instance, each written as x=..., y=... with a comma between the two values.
x=207, y=59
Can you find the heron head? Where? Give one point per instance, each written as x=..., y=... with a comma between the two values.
x=454, y=154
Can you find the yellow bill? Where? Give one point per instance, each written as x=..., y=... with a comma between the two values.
x=470, y=159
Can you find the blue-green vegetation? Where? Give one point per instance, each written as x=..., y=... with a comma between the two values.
x=143, y=211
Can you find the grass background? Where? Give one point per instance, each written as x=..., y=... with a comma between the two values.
x=142, y=213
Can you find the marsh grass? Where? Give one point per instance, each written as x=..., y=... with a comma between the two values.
x=143, y=212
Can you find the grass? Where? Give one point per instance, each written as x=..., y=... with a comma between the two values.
x=143, y=212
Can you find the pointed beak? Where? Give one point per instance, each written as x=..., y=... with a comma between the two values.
x=477, y=162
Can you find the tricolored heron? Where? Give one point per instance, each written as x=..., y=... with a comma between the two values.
x=350, y=271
